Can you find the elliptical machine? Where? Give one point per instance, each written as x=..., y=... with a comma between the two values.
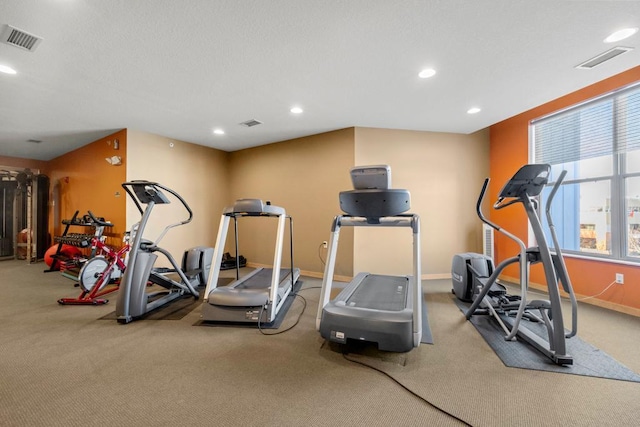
x=133, y=299
x=476, y=280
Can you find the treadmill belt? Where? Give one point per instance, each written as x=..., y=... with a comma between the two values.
x=262, y=279
x=380, y=293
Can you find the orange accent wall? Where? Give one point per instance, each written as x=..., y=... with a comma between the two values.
x=83, y=180
x=508, y=152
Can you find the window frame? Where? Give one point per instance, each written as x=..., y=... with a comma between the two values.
x=618, y=191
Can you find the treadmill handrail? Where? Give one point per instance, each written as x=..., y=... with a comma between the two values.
x=399, y=220
x=277, y=282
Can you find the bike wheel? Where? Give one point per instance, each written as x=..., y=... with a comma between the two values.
x=92, y=272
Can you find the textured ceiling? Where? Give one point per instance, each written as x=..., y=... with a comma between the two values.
x=182, y=68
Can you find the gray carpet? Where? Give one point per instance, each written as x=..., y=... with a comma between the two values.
x=61, y=367
x=587, y=359
x=174, y=310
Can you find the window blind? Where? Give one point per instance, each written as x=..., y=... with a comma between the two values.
x=629, y=121
x=594, y=129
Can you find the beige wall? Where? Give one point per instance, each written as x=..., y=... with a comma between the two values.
x=444, y=173
x=304, y=176
x=199, y=174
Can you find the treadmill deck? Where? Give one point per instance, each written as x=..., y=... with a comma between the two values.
x=373, y=308
x=380, y=293
x=245, y=300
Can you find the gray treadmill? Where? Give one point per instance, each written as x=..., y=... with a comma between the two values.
x=258, y=296
x=378, y=308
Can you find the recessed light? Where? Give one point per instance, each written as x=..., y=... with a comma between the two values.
x=296, y=110
x=473, y=110
x=7, y=70
x=621, y=35
x=426, y=73
x=218, y=131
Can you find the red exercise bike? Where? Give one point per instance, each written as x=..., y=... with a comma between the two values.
x=101, y=274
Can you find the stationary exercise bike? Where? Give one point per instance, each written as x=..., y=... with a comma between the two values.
x=133, y=299
x=101, y=274
x=476, y=280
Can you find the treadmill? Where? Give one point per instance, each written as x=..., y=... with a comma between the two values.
x=258, y=296
x=377, y=308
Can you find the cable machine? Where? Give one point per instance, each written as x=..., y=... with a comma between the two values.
x=24, y=199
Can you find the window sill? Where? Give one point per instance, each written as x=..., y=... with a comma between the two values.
x=598, y=259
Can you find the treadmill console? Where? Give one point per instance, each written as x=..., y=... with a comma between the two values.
x=371, y=177
x=372, y=196
x=253, y=207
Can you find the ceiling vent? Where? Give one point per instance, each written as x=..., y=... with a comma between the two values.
x=603, y=57
x=18, y=38
x=35, y=141
x=251, y=123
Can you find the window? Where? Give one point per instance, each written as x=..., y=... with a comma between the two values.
x=596, y=211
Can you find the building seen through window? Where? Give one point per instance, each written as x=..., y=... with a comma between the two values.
x=597, y=209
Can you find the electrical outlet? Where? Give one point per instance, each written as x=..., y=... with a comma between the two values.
x=620, y=278
x=324, y=244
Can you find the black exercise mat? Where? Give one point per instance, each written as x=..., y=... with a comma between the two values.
x=272, y=325
x=587, y=359
x=176, y=309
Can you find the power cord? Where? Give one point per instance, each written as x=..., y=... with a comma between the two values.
x=310, y=287
x=357, y=361
x=320, y=246
x=597, y=295
x=344, y=355
x=304, y=302
x=540, y=292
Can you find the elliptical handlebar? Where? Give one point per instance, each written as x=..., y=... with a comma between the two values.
x=500, y=203
x=524, y=272
x=184, y=203
x=561, y=267
x=554, y=190
x=525, y=187
x=484, y=219
x=147, y=192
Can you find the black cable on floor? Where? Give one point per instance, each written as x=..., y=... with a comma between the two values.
x=310, y=287
x=406, y=388
x=304, y=301
x=359, y=362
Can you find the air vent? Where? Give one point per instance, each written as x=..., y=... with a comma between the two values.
x=603, y=57
x=487, y=241
x=35, y=141
x=251, y=123
x=18, y=38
